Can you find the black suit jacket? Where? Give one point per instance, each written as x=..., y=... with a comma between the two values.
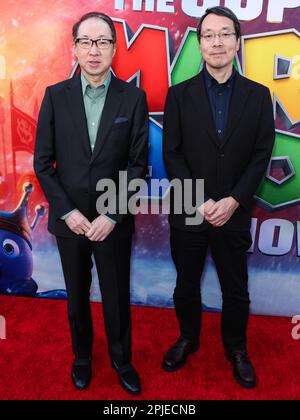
x=192, y=150
x=64, y=164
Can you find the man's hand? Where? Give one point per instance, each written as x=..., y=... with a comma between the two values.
x=78, y=223
x=221, y=211
x=100, y=229
x=206, y=207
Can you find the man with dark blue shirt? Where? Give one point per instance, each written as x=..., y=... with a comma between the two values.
x=219, y=95
x=219, y=127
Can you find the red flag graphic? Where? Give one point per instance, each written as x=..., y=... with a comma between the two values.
x=23, y=130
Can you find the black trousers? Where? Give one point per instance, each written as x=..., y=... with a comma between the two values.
x=228, y=250
x=112, y=258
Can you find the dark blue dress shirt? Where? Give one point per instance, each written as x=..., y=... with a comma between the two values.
x=219, y=95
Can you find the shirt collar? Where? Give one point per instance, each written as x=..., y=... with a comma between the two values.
x=211, y=81
x=85, y=83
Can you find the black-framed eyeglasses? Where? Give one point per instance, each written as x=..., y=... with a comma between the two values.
x=223, y=36
x=87, y=43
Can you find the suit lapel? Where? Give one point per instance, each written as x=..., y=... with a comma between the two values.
x=110, y=111
x=197, y=91
x=76, y=107
x=237, y=105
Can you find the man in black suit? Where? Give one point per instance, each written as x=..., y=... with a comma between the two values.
x=219, y=127
x=91, y=127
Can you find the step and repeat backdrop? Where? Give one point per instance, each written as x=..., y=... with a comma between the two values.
x=156, y=48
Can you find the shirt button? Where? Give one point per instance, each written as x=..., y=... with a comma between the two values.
x=219, y=131
x=220, y=94
x=93, y=124
x=220, y=112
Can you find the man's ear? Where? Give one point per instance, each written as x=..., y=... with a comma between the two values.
x=238, y=45
x=115, y=49
x=74, y=51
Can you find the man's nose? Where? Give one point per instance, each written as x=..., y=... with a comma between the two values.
x=217, y=40
x=94, y=50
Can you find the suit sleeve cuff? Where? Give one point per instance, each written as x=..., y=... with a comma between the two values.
x=66, y=215
x=110, y=219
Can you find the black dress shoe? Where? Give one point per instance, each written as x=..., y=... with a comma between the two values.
x=176, y=356
x=81, y=373
x=243, y=370
x=128, y=378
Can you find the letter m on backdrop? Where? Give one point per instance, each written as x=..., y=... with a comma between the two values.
x=144, y=56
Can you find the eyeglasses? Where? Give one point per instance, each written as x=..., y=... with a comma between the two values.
x=223, y=36
x=101, y=43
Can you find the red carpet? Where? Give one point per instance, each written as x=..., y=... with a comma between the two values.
x=35, y=358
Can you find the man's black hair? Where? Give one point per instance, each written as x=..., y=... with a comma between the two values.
x=220, y=11
x=99, y=15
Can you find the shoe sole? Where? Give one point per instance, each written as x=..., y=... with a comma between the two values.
x=167, y=368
